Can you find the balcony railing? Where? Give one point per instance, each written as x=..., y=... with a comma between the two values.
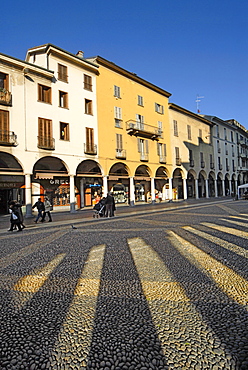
x=220, y=167
x=118, y=123
x=202, y=164
x=8, y=138
x=162, y=159
x=142, y=129
x=90, y=149
x=212, y=165
x=46, y=142
x=5, y=97
x=144, y=157
x=120, y=153
x=191, y=162
x=178, y=161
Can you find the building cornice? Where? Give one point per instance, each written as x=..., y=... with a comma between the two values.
x=190, y=114
x=65, y=55
x=26, y=67
x=132, y=76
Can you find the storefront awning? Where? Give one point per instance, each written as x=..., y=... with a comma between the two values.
x=44, y=176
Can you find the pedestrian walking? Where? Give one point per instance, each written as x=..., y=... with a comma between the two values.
x=16, y=216
x=109, y=205
x=40, y=207
x=47, y=210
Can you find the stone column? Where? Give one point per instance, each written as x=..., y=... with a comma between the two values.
x=132, y=192
x=185, y=193
x=72, y=194
x=215, y=188
x=196, y=189
x=170, y=189
x=28, y=196
x=153, y=197
x=206, y=186
x=223, y=188
x=105, y=186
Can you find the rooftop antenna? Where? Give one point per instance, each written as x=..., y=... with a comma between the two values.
x=198, y=100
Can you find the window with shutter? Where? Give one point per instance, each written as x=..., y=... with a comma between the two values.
x=117, y=91
x=44, y=94
x=88, y=106
x=63, y=99
x=87, y=82
x=64, y=131
x=175, y=127
x=62, y=73
x=45, y=139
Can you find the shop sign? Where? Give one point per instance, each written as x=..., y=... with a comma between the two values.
x=59, y=182
x=10, y=185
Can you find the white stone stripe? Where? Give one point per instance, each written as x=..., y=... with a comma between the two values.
x=228, y=230
x=214, y=239
x=171, y=309
x=75, y=336
x=227, y=280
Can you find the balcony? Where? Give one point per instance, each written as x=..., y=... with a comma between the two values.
x=46, y=142
x=90, y=148
x=178, y=161
x=212, y=165
x=191, y=162
x=5, y=97
x=120, y=153
x=143, y=130
x=243, y=155
x=242, y=142
x=162, y=159
x=8, y=138
x=220, y=167
x=202, y=164
x=144, y=157
x=118, y=123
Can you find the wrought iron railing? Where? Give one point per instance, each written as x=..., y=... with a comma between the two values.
x=46, y=142
x=8, y=138
x=90, y=148
x=120, y=153
x=134, y=127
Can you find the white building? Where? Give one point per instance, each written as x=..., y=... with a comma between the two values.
x=48, y=127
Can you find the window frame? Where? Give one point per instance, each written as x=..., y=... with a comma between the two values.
x=159, y=108
x=175, y=127
x=63, y=97
x=62, y=73
x=88, y=107
x=88, y=82
x=44, y=94
x=65, y=129
x=117, y=91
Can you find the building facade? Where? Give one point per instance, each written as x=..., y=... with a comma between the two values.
x=48, y=126
x=74, y=129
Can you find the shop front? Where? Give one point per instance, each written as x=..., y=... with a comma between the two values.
x=119, y=183
x=89, y=182
x=161, y=180
x=142, y=184
x=119, y=187
x=56, y=188
x=12, y=187
x=12, y=182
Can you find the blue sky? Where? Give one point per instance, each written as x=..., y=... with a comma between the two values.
x=187, y=47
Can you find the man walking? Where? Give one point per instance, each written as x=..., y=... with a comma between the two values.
x=47, y=206
x=40, y=207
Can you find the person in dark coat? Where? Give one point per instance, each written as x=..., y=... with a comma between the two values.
x=40, y=207
x=110, y=205
x=16, y=216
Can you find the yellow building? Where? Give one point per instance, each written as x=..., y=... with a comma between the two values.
x=133, y=128
x=192, y=154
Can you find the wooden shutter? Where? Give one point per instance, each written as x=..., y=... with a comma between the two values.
x=4, y=120
x=119, y=142
x=90, y=138
x=146, y=146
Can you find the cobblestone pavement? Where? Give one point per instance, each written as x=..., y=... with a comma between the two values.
x=155, y=290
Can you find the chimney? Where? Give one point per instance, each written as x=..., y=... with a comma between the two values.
x=80, y=54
